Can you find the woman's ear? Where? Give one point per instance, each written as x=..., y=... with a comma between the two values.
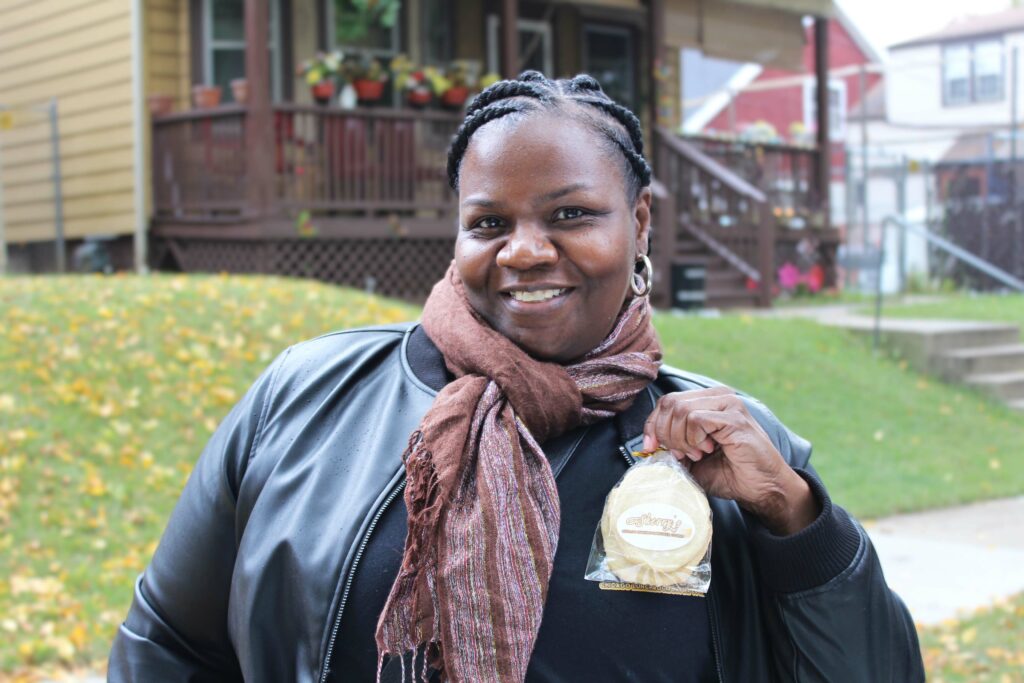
x=642, y=219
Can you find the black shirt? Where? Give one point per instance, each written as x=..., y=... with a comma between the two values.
x=586, y=634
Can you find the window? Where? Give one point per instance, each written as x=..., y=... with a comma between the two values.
x=836, y=108
x=608, y=57
x=436, y=31
x=972, y=72
x=364, y=31
x=224, y=45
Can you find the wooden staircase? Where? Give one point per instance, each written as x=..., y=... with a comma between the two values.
x=711, y=227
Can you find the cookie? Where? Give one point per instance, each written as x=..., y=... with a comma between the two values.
x=656, y=526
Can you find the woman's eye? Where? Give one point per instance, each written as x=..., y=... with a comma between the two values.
x=487, y=223
x=569, y=213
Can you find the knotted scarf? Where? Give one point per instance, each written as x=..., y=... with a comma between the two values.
x=483, y=510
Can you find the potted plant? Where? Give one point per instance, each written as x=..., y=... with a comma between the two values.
x=368, y=77
x=410, y=80
x=160, y=104
x=450, y=86
x=354, y=22
x=206, y=96
x=240, y=90
x=320, y=73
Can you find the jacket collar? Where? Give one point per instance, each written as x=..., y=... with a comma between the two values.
x=427, y=364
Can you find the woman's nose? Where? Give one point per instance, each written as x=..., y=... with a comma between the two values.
x=527, y=247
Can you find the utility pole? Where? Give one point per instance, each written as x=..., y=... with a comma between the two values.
x=862, y=84
x=3, y=231
x=58, y=196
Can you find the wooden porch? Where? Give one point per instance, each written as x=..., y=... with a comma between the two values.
x=360, y=196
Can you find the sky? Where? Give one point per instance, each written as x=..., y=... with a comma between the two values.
x=885, y=22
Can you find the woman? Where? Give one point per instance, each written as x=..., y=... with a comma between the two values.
x=304, y=549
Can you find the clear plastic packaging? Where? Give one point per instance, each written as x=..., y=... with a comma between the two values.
x=655, y=532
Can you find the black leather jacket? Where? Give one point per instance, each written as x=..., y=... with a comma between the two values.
x=254, y=568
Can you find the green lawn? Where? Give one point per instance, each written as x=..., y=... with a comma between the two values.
x=886, y=438
x=985, y=646
x=1005, y=308
x=110, y=386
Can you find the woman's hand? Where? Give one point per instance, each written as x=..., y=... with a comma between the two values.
x=711, y=432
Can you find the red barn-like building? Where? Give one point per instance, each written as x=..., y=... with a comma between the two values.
x=785, y=100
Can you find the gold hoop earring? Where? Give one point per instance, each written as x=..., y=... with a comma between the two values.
x=641, y=284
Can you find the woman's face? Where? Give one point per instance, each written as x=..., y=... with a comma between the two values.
x=547, y=237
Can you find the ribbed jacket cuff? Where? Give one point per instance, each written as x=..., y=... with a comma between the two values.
x=811, y=557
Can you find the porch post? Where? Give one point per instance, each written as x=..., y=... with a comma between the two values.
x=656, y=36
x=259, y=133
x=824, y=176
x=510, y=39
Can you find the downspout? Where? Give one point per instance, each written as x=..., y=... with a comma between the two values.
x=140, y=119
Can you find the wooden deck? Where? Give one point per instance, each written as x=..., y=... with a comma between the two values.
x=360, y=197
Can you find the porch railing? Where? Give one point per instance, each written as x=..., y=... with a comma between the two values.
x=784, y=173
x=326, y=161
x=199, y=163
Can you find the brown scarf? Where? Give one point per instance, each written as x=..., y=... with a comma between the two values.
x=483, y=507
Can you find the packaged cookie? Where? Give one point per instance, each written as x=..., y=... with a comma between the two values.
x=655, y=533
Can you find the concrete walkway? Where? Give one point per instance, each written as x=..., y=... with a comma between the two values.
x=942, y=562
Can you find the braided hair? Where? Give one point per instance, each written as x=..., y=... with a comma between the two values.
x=581, y=97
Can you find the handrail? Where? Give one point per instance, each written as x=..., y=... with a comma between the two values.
x=734, y=259
x=709, y=165
x=221, y=111
x=370, y=112
x=994, y=272
x=766, y=144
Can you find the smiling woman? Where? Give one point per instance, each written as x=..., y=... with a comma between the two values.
x=420, y=500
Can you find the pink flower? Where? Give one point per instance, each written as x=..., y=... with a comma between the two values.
x=789, y=276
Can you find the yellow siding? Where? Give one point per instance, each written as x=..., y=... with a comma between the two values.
x=167, y=50
x=79, y=52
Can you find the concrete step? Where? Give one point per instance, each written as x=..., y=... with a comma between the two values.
x=955, y=365
x=1017, y=405
x=1008, y=386
x=922, y=342
x=731, y=298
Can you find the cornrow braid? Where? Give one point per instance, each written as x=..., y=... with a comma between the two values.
x=470, y=125
x=532, y=91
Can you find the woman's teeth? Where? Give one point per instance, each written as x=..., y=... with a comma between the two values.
x=539, y=295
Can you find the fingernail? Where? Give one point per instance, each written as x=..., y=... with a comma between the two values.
x=648, y=443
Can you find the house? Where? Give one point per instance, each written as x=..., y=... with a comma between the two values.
x=960, y=89
x=282, y=184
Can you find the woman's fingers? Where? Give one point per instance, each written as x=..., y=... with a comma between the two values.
x=670, y=423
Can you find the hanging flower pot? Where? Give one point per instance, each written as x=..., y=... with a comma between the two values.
x=369, y=90
x=240, y=90
x=455, y=96
x=206, y=96
x=323, y=91
x=418, y=97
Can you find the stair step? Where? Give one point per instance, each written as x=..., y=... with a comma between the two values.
x=958, y=363
x=1017, y=405
x=1009, y=386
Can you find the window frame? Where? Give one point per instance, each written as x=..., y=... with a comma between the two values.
x=210, y=44
x=838, y=85
x=972, y=72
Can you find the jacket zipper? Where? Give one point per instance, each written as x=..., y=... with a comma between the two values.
x=712, y=619
x=351, y=576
